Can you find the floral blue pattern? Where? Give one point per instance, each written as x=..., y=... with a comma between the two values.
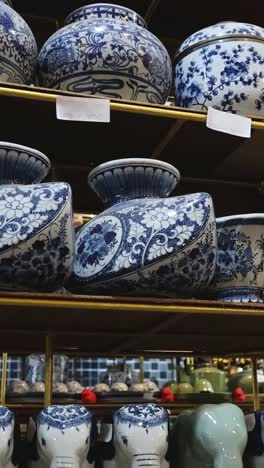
x=6, y=417
x=227, y=76
x=64, y=417
x=18, y=48
x=147, y=415
x=115, y=58
x=240, y=260
x=223, y=29
x=146, y=245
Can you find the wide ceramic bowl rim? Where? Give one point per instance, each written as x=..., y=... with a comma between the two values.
x=26, y=149
x=106, y=4
x=242, y=217
x=140, y=162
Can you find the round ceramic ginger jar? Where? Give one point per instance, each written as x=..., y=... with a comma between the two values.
x=18, y=48
x=106, y=49
x=222, y=66
x=145, y=242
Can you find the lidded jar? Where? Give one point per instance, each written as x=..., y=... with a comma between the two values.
x=145, y=242
x=18, y=48
x=106, y=49
x=222, y=66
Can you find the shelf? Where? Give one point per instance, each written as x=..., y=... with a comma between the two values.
x=104, y=326
x=102, y=410
x=228, y=167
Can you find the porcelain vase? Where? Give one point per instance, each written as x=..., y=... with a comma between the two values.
x=222, y=66
x=239, y=275
x=18, y=48
x=106, y=49
x=36, y=226
x=144, y=242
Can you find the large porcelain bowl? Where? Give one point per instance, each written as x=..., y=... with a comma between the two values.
x=239, y=275
x=106, y=49
x=222, y=66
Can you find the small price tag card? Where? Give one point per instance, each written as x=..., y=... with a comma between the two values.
x=228, y=123
x=83, y=109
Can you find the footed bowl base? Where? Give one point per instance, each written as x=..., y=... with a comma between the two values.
x=243, y=295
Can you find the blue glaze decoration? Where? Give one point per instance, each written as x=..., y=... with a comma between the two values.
x=239, y=274
x=105, y=11
x=146, y=415
x=145, y=243
x=36, y=228
x=64, y=417
x=226, y=74
x=18, y=48
x=6, y=417
x=111, y=57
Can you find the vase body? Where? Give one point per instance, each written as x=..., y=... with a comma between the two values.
x=222, y=66
x=105, y=49
x=148, y=244
x=36, y=227
x=239, y=275
x=18, y=48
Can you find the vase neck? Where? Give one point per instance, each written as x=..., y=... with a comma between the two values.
x=106, y=11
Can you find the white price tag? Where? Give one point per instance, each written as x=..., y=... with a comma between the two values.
x=83, y=109
x=228, y=123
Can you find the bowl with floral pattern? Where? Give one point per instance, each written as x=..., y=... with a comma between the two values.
x=222, y=66
x=145, y=241
x=36, y=224
x=239, y=275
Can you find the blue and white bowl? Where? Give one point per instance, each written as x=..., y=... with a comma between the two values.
x=222, y=66
x=145, y=242
x=239, y=275
x=106, y=49
x=18, y=48
x=36, y=226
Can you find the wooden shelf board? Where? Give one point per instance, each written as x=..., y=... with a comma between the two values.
x=116, y=325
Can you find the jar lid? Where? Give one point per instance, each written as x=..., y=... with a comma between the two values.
x=222, y=30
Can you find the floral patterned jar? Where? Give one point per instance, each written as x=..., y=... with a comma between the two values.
x=222, y=66
x=144, y=242
x=18, y=48
x=36, y=223
x=106, y=49
x=239, y=275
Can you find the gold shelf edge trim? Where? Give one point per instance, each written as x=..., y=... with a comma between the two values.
x=121, y=107
x=125, y=306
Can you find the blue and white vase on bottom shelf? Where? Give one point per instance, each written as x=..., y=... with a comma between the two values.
x=239, y=275
x=36, y=226
x=145, y=242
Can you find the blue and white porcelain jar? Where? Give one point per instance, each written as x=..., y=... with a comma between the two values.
x=18, y=48
x=106, y=49
x=36, y=226
x=222, y=66
x=145, y=242
x=239, y=275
